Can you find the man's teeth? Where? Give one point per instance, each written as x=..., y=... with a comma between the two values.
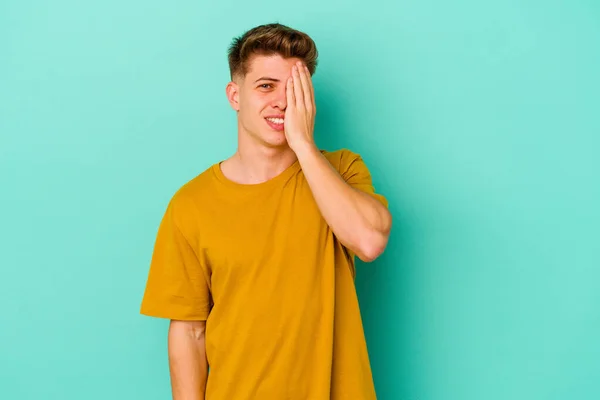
x=276, y=120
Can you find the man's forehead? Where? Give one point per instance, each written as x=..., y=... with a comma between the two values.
x=269, y=65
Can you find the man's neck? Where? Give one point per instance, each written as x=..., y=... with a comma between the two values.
x=257, y=164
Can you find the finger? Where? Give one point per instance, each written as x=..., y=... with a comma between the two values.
x=311, y=86
x=297, y=88
x=289, y=91
x=305, y=87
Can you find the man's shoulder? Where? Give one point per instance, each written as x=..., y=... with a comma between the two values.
x=341, y=158
x=195, y=189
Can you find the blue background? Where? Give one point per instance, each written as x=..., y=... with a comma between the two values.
x=479, y=121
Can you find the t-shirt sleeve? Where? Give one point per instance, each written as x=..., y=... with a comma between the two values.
x=355, y=172
x=178, y=284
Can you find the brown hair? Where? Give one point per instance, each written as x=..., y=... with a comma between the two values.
x=267, y=40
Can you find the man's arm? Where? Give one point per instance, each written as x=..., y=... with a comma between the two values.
x=187, y=359
x=358, y=220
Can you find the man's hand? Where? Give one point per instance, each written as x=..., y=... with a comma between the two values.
x=299, y=121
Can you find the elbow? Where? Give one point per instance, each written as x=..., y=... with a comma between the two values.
x=372, y=246
x=370, y=254
x=374, y=242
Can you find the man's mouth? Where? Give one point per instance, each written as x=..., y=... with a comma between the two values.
x=276, y=120
x=276, y=123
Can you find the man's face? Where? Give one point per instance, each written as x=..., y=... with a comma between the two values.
x=261, y=99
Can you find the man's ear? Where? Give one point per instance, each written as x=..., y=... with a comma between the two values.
x=233, y=95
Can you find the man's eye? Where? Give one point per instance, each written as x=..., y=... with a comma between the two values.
x=266, y=86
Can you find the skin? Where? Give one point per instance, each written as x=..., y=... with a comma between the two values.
x=359, y=221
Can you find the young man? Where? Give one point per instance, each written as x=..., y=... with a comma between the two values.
x=254, y=258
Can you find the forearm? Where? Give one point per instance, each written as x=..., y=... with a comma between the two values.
x=187, y=359
x=358, y=220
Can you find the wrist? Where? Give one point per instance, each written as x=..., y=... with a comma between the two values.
x=305, y=149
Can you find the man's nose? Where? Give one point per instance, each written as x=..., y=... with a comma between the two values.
x=280, y=100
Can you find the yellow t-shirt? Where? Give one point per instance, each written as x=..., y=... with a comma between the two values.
x=262, y=267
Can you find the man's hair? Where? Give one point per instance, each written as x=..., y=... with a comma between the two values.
x=268, y=40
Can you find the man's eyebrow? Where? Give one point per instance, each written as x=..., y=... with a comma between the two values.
x=266, y=78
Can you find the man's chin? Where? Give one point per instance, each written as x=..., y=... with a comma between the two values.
x=268, y=138
x=275, y=139
x=281, y=143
